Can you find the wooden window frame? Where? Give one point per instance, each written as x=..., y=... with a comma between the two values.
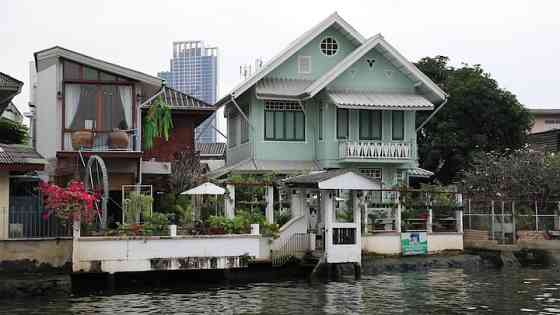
x=290, y=107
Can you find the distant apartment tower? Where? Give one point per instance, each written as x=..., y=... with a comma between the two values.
x=194, y=70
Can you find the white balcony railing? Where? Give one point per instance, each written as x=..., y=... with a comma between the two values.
x=395, y=150
x=101, y=141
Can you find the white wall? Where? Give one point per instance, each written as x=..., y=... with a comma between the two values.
x=122, y=254
x=4, y=203
x=48, y=112
x=444, y=241
x=382, y=243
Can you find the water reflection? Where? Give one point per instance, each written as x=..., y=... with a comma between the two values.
x=450, y=291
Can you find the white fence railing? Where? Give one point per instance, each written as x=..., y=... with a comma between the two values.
x=376, y=150
x=29, y=223
x=296, y=246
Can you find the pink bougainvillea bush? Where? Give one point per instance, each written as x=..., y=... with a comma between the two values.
x=71, y=203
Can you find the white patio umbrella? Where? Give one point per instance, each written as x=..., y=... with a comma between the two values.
x=206, y=189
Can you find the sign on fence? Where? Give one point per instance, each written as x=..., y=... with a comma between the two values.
x=414, y=243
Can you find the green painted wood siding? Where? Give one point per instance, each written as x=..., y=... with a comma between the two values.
x=320, y=63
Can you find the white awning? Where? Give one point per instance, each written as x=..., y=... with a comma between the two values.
x=205, y=189
x=380, y=101
x=419, y=172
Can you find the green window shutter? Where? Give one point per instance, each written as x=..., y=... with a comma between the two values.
x=398, y=125
x=279, y=125
x=269, y=125
x=290, y=125
x=376, y=125
x=300, y=126
x=342, y=123
x=365, y=130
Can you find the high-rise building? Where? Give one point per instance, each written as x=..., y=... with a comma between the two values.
x=194, y=70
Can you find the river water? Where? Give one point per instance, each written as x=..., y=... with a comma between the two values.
x=449, y=291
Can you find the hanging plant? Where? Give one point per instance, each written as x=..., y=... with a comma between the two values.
x=157, y=123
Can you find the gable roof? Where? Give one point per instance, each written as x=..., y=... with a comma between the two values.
x=58, y=51
x=296, y=45
x=333, y=179
x=434, y=93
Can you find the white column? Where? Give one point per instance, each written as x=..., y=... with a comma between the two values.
x=357, y=218
x=430, y=220
x=230, y=201
x=363, y=209
x=327, y=207
x=269, y=204
x=296, y=203
x=398, y=219
x=75, y=246
x=459, y=218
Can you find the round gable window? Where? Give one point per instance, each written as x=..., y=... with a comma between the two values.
x=329, y=46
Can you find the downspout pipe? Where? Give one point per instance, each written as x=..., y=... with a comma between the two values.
x=432, y=114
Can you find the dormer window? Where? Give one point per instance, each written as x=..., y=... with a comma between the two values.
x=329, y=46
x=304, y=64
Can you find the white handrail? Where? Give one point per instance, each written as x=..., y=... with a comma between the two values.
x=376, y=150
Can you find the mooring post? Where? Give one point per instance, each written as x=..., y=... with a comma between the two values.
x=492, y=226
x=513, y=224
x=503, y=223
x=536, y=217
x=357, y=271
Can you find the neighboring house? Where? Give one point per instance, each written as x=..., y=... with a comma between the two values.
x=9, y=87
x=12, y=113
x=194, y=71
x=74, y=92
x=212, y=155
x=545, y=141
x=545, y=119
x=332, y=99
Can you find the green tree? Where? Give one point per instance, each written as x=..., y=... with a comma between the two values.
x=479, y=116
x=12, y=132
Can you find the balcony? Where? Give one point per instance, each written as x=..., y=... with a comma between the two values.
x=359, y=151
x=100, y=141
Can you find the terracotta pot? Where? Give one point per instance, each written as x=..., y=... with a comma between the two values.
x=118, y=139
x=82, y=139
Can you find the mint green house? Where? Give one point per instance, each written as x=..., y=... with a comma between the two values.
x=332, y=99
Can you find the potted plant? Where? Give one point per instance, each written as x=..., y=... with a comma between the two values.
x=70, y=204
x=118, y=138
x=82, y=138
x=157, y=123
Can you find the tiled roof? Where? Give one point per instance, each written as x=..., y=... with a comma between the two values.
x=178, y=100
x=373, y=100
x=19, y=154
x=271, y=87
x=213, y=149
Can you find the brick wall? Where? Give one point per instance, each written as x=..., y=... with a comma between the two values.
x=530, y=236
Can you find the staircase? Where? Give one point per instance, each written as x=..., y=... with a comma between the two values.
x=295, y=247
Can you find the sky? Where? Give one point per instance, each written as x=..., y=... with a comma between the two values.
x=516, y=41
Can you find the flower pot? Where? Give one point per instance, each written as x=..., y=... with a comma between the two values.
x=118, y=139
x=82, y=139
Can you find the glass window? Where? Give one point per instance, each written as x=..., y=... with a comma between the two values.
x=398, y=125
x=370, y=125
x=329, y=46
x=72, y=71
x=284, y=121
x=90, y=74
x=103, y=107
x=342, y=123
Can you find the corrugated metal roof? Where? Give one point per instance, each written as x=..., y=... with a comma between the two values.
x=211, y=149
x=316, y=177
x=278, y=166
x=286, y=88
x=178, y=100
x=19, y=154
x=373, y=100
